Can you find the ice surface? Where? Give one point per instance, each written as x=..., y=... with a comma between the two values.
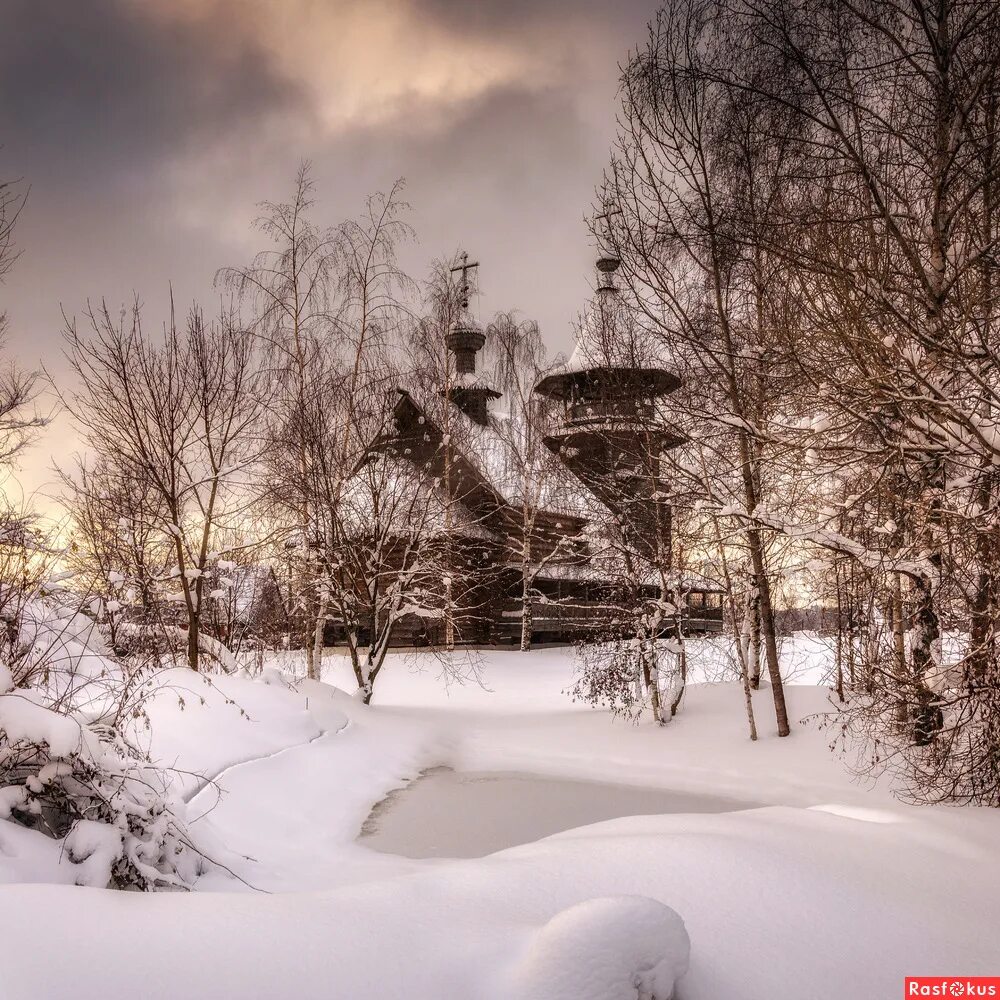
x=469, y=814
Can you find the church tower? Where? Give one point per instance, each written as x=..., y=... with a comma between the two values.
x=465, y=341
x=612, y=433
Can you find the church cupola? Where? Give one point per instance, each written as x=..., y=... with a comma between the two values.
x=465, y=340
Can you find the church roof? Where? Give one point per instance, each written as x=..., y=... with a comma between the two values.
x=492, y=450
x=397, y=479
x=613, y=339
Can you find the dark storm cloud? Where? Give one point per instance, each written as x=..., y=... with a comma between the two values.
x=516, y=17
x=96, y=86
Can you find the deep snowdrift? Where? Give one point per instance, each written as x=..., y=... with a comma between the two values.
x=834, y=891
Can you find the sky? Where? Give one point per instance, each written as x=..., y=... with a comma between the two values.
x=149, y=130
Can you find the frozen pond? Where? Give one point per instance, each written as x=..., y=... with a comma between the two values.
x=468, y=814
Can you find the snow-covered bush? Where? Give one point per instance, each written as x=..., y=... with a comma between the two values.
x=81, y=783
x=68, y=767
x=621, y=674
x=610, y=675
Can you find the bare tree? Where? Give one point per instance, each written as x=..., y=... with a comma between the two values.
x=326, y=302
x=838, y=178
x=689, y=185
x=117, y=549
x=895, y=278
x=545, y=502
x=291, y=289
x=18, y=423
x=182, y=417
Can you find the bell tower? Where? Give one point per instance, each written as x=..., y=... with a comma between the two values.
x=612, y=433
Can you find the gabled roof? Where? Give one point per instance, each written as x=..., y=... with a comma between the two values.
x=488, y=452
x=398, y=478
x=250, y=587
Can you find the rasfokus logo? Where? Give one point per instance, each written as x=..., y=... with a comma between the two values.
x=952, y=986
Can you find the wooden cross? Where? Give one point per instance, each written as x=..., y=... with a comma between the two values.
x=465, y=267
x=605, y=216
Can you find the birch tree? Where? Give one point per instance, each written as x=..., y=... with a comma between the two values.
x=19, y=422
x=690, y=183
x=290, y=289
x=538, y=483
x=326, y=302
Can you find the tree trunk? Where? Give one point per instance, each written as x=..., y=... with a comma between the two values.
x=899, y=648
x=315, y=655
x=307, y=644
x=767, y=628
x=368, y=684
x=681, y=670
x=840, y=633
x=748, y=700
x=652, y=679
x=526, y=609
x=449, y=621
x=929, y=718
x=753, y=644
x=194, y=634
x=982, y=617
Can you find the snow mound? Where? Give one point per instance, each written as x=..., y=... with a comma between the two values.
x=609, y=948
x=23, y=719
x=95, y=847
x=274, y=677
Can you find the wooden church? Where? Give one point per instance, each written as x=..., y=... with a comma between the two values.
x=539, y=567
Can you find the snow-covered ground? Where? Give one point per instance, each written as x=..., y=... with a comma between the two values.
x=830, y=888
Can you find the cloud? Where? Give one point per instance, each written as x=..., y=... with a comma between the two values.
x=100, y=86
x=384, y=60
x=149, y=130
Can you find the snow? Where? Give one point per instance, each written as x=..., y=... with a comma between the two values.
x=12, y=797
x=605, y=949
x=202, y=724
x=28, y=857
x=93, y=847
x=25, y=721
x=492, y=451
x=484, y=448
x=69, y=644
x=612, y=335
x=832, y=889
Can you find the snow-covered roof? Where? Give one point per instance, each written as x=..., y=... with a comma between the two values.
x=396, y=479
x=591, y=571
x=250, y=584
x=572, y=571
x=493, y=451
x=612, y=335
x=686, y=580
x=474, y=380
